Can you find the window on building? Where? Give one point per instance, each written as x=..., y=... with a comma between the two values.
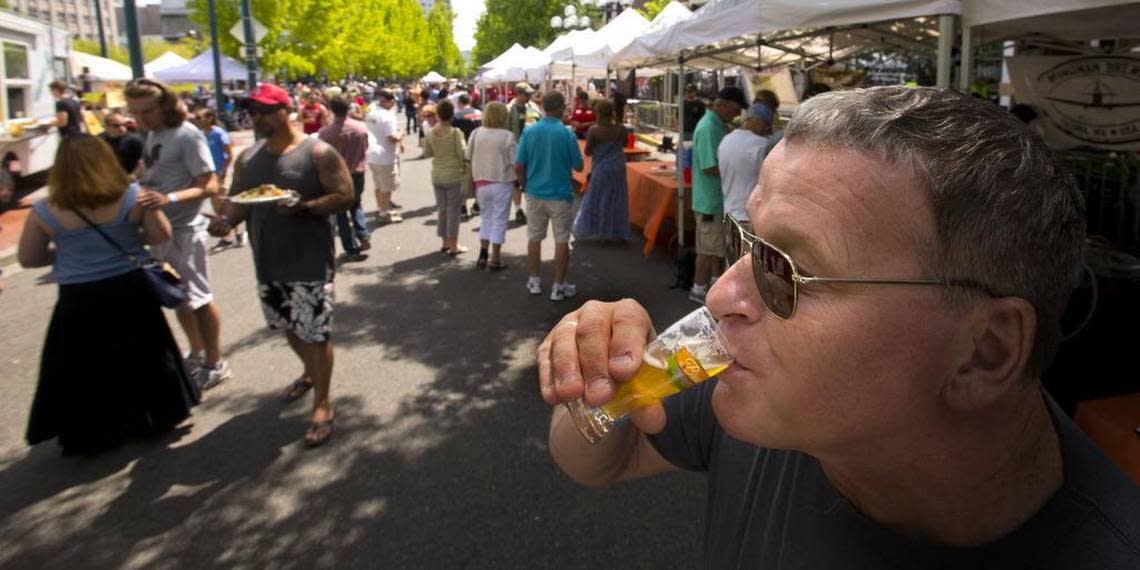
x=15, y=61
x=17, y=102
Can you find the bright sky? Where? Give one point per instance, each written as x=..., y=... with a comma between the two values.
x=467, y=14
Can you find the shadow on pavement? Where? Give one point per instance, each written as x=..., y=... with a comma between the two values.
x=458, y=477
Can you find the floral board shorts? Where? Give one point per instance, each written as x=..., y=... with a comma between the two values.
x=303, y=307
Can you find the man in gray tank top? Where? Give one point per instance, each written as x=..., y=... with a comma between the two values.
x=293, y=245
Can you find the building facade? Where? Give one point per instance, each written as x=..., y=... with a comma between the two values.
x=75, y=16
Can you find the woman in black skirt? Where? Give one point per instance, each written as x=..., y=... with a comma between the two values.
x=110, y=367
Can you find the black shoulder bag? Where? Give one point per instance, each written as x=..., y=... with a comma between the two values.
x=163, y=280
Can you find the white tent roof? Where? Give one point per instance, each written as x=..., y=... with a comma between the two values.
x=720, y=21
x=512, y=52
x=562, y=48
x=640, y=48
x=164, y=61
x=433, y=77
x=523, y=64
x=1061, y=19
x=609, y=40
x=201, y=70
x=672, y=13
x=102, y=69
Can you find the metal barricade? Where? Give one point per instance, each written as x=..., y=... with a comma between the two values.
x=1110, y=183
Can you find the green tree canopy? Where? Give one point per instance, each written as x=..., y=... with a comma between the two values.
x=151, y=49
x=653, y=7
x=373, y=38
x=506, y=22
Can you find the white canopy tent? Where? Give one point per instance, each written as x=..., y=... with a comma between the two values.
x=165, y=61
x=201, y=70
x=728, y=33
x=522, y=64
x=100, y=69
x=433, y=77
x=1047, y=21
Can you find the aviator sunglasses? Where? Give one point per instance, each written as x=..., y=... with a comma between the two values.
x=778, y=278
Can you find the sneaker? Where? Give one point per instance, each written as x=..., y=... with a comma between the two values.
x=352, y=257
x=239, y=240
x=697, y=294
x=209, y=377
x=463, y=211
x=520, y=216
x=563, y=291
x=221, y=245
x=534, y=285
x=193, y=363
x=395, y=217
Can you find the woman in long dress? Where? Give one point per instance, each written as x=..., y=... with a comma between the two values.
x=110, y=367
x=604, y=214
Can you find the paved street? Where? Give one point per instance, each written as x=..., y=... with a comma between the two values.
x=439, y=459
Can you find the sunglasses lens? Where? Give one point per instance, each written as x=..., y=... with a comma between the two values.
x=773, y=273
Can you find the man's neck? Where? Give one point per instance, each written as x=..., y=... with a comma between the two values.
x=961, y=483
x=283, y=139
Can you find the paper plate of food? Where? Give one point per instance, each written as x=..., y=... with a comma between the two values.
x=264, y=194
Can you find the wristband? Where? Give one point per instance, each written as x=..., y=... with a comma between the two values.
x=172, y=197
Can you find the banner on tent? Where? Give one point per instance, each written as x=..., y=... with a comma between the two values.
x=1091, y=101
x=775, y=79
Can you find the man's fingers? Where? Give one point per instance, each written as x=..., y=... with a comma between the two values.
x=564, y=359
x=546, y=374
x=593, y=339
x=650, y=419
x=632, y=329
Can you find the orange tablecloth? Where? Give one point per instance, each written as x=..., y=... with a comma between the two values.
x=631, y=155
x=652, y=197
x=1112, y=424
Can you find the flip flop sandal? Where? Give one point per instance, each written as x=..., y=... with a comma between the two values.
x=319, y=433
x=296, y=389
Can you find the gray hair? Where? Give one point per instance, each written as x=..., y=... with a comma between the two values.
x=1005, y=212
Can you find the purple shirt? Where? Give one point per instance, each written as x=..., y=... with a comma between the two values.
x=350, y=139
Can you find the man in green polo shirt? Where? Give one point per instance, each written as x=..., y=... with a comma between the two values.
x=708, y=199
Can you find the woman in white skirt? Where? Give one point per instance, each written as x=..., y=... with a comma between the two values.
x=491, y=152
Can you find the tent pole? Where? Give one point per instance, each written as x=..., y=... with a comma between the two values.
x=680, y=156
x=965, y=75
x=219, y=93
x=945, y=47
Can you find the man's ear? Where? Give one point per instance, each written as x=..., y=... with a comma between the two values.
x=995, y=343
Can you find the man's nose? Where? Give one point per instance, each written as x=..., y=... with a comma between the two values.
x=734, y=295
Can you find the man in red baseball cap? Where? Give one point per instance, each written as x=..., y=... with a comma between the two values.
x=292, y=245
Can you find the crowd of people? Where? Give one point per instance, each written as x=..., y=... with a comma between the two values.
x=170, y=153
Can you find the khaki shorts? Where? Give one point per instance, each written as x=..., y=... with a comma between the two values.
x=558, y=213
x=386, y=177
x=187, y=251
x=710, y=235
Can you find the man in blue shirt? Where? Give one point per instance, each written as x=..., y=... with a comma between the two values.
x=547, y=152
x=708, y=198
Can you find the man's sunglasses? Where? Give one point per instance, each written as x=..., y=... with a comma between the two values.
x=778, y=278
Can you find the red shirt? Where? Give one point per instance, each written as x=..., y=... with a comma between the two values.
x=350, y=139
x=582, y=114
x=311, y=114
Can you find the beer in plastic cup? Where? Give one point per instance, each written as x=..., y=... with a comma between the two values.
x=689, y=352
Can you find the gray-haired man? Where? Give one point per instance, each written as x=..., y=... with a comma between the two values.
x=889, y=323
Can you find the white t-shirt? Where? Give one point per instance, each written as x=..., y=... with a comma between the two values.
x=381, y=124
x=739, y=156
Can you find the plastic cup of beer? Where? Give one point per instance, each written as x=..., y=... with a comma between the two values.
x=689, y=352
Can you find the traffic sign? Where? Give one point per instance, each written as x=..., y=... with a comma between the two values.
x=259, y=31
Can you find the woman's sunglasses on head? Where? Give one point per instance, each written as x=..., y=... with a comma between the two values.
x=778, y=277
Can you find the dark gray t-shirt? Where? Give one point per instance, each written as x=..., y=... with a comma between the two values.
x=173, y=158
x=777, y=510
x=287, y=248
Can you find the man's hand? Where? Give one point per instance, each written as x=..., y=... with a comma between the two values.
x=590, y=350
x=150, y=199
x=219, y=225
x=294, y=206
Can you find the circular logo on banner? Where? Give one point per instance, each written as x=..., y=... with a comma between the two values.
x=1094, y=99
